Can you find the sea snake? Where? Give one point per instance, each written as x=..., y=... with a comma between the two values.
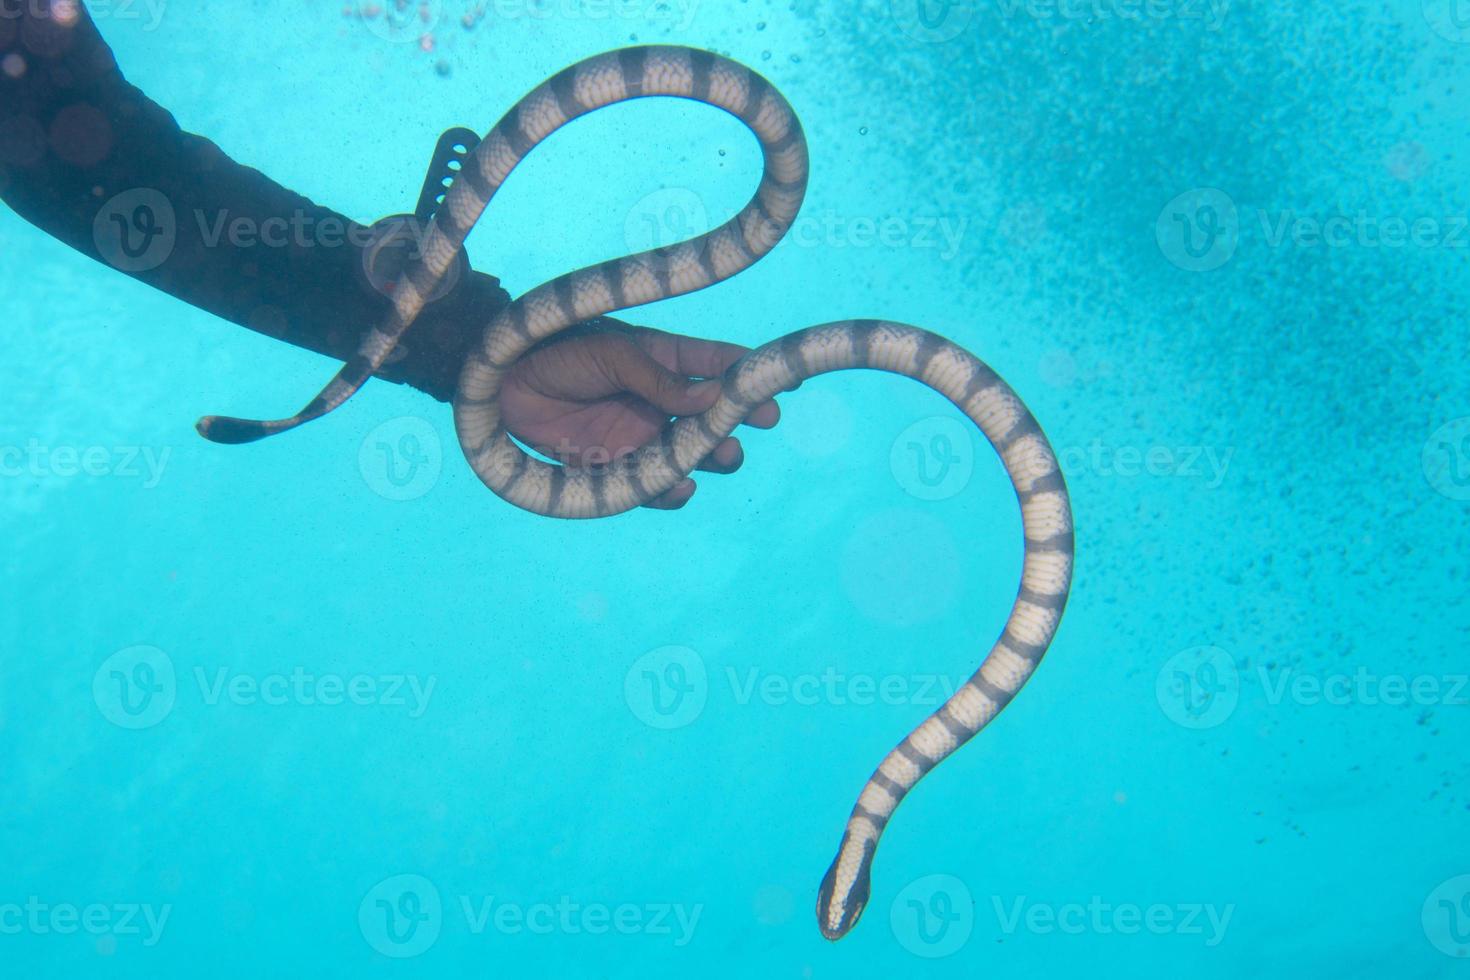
x=577, y=492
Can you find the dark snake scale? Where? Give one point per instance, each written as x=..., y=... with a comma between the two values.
x=575, y=492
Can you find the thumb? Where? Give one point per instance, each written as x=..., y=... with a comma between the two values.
x=673, y=394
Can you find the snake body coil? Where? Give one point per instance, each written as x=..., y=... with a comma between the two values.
x=577, y=492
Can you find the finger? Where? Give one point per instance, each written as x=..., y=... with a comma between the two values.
x=725, y=459
x=689, y=356
x=765, y=416
x=635, y=371
x=673, y=499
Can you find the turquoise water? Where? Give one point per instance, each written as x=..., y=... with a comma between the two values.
x=323, y=706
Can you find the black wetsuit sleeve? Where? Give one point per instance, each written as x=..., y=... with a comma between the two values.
x=89, y=159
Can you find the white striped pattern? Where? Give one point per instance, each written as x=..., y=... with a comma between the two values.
x=778, y=366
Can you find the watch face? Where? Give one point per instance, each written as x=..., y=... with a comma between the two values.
x=395, y=246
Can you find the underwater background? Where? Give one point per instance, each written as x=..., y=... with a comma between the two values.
x=323, y=706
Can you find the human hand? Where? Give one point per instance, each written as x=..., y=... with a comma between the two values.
x=594, y=394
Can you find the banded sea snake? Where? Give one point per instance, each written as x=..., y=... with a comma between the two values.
x=564, y=491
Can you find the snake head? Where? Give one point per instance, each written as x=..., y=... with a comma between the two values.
x=844, y=891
